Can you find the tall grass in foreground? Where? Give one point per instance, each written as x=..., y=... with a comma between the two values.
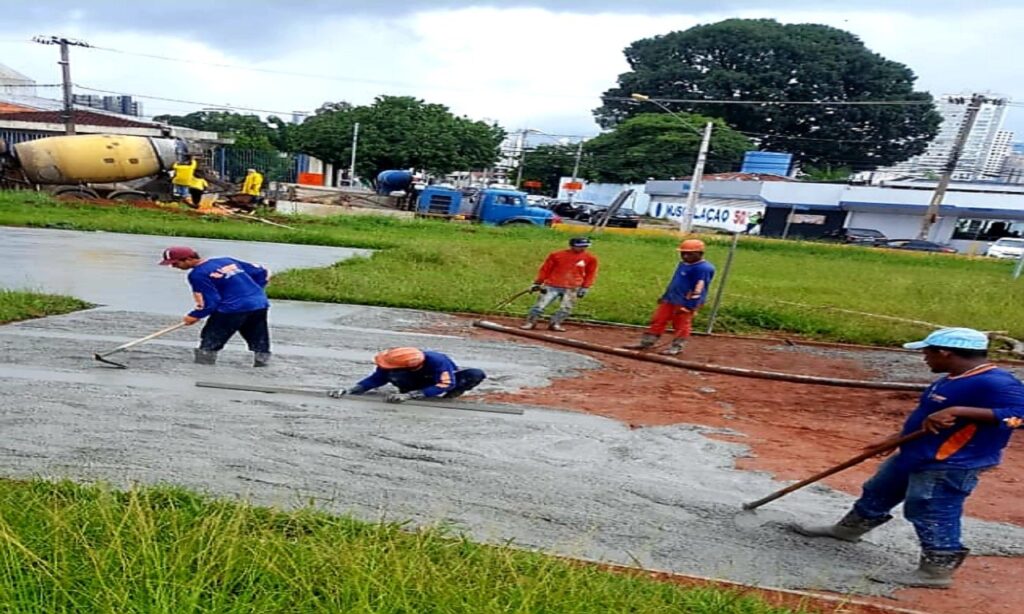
x=22, y=305
x=81, y=549
x=427, y=264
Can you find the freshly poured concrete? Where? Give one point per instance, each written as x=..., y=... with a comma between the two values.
x=582, y=485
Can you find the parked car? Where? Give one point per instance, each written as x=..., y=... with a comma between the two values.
x=623, y=218
x=918, y=245
x=1006, y=248
x=566, y=209
x=856, y=236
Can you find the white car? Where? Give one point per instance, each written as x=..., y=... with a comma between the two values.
x=1006, y=248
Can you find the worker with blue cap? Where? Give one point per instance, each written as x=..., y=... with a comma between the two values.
x=969, y=415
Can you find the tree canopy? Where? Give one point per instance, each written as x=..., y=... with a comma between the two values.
x=763, y=60
x=399, y=132
x=249, y=131
x=549, y=163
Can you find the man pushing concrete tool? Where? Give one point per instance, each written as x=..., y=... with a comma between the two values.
x=969, y=415
x=231, y=293
x=417, y=374
x=567, y=275
x=685, y=294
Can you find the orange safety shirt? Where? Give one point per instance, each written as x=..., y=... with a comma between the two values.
x=568, y=269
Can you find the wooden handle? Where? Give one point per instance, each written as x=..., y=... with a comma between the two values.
x=158, y=333
x=856, y=460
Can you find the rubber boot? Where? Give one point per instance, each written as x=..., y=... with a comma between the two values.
x=646, y=342
x=556, y=323
x=530, y=323
x=676, y=347
x=935, y=570
x=205, y=357
x=261, y=359
x=850, y=527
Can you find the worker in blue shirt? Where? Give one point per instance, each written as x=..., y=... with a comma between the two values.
x=969, y=415
x=417, y=374
x=230, y=293
x=686, y=293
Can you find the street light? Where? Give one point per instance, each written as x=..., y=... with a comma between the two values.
x=686, y=223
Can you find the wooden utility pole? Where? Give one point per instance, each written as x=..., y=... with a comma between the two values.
x=65, y=66
x=966, y=125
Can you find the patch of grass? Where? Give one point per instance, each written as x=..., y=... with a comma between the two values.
x=23, y=305
x=71, y=548
x=429, y=264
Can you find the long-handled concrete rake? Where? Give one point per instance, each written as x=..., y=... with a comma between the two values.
x=856, y=460
x=509, y=300
x=102, y=356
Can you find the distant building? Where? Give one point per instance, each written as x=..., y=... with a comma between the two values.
x=977, y=154
x=115, y=104
x=997, y=156
x=13, y=83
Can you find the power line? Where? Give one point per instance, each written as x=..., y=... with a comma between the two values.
x=6, y=85
x=182, y=101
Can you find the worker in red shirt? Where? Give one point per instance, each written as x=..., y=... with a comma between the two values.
x=566, y=275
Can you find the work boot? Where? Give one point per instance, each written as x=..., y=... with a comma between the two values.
x=676, y=347
x=261, y=359
x=646, y=342
x=556, y=326
x=529, y=324
x=935, y=570
x=850, y=527
x=205, y=357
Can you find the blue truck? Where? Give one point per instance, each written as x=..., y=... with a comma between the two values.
x=496, y=206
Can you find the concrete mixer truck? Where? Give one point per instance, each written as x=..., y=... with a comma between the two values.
x=92, y=165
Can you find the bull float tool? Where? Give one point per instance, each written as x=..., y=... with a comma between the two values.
x=102, y=356
x=856, y=460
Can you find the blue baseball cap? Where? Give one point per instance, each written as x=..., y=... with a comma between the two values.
x=959, y=338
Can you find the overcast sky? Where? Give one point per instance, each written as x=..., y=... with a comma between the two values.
x=524, y=64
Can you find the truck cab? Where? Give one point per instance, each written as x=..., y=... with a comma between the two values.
x=495, y=206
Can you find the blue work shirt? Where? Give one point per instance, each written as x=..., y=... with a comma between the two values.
x=436, y=376
x=689, y=285
x=227, y=285
x=967, y=444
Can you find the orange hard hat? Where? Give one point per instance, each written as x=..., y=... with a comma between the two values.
x=691, y=245
x=399, y=358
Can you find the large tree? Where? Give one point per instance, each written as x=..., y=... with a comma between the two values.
x=399, y=132
x=248, y=131
x=660, y=145
x=549, y=163
x=763, y=60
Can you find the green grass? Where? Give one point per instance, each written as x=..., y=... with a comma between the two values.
x=23, y=305
x=442, y=266
x=70, y=548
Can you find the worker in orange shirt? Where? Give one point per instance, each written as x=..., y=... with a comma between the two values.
x=566, y=275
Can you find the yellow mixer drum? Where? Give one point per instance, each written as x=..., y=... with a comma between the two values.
x=94, y=158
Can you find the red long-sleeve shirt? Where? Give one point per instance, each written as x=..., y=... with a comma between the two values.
x=568, y=269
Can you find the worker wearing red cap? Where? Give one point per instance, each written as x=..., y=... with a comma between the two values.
x=567, y=275
x=417, y=374
x=230, y=293
x=685, y=294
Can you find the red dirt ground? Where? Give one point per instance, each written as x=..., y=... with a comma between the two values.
x=793, y=430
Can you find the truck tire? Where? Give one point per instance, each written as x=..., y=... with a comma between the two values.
x=128, y=195
x=517, y=223
x=76, y=192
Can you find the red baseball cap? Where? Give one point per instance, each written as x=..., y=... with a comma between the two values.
x=177, y=253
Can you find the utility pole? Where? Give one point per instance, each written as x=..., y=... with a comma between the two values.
x=352, y=165
x=971, y=114
x=65, y=65
x=576, y=168
x=686, y=224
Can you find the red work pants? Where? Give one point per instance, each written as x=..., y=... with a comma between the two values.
x=681, y=318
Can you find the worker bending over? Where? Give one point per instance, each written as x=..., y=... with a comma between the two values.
x=417, y=374
x=567, y=275
x=253, y=183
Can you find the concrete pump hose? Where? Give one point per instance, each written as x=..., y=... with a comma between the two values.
x=710, y=368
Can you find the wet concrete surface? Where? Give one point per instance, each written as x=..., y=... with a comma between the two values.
x=665, y=497
x=121, y=270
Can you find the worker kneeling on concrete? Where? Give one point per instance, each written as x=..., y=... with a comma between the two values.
x=230, y=293
x=686, y=293
x=969, y=415
x=566, y=275
x=417, y=374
